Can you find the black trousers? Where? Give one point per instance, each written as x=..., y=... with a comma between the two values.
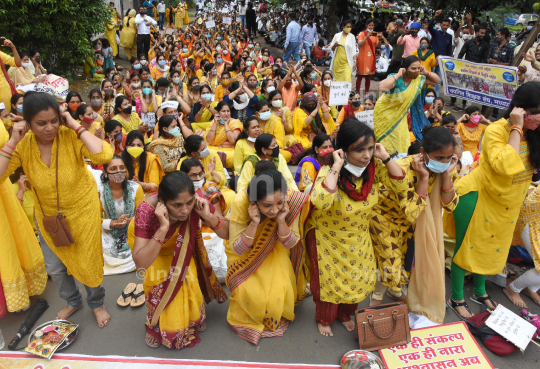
x=143, y=45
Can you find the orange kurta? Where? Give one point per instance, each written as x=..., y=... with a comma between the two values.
x=366, y=58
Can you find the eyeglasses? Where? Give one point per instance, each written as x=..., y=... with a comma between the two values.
x=197, y=176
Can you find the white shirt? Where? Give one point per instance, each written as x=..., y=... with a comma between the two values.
x=382, y=64
x=423, y=33
x=242, y=10
x=161, y=8
x=141, y=24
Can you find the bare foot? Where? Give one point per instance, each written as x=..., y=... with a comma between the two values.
x=349, y=325
x=102, y=317
x=374, y=302
x=151, y=341
x=514, y=297
x=325, y=330
x=533, y=295
x=462, y=311
x=66, y=312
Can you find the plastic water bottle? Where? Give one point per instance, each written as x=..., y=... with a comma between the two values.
x=2, y=343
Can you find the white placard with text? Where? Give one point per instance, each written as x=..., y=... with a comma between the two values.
x=365, y=117
x=339, y=93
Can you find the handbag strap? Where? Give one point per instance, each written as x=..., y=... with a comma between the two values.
x=11, y=86
x=57, y=194
x=394, y=316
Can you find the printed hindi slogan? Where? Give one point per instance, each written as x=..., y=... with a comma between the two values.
x=440, y=347
x=486, y=84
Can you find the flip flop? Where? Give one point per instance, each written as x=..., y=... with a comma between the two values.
x=454, y=305
x=138, y=296
x=482, y=300
x=125, y=299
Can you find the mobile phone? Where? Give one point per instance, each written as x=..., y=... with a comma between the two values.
x=2, y=40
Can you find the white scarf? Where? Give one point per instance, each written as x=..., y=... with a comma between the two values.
x=240, y=106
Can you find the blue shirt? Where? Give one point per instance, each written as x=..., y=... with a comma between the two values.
x=150, y=10
x=248, y=111
x=309, y=34
x=441, y=42
x=293, y=33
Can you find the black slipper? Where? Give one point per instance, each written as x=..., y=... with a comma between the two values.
x=454, y=305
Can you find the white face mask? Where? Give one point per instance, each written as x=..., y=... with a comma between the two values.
x=136, y=85
x=25, y=64
x=328, y=82
x=270, y=89
x=277, y=103
x=252, y=139
x=143, y=62
x=199, y=183
x=355, y=171
x=243, y=98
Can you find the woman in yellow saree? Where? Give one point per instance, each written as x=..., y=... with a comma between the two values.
x=264, y=257
x=143, y=167
x=401, y=92
x=166, y=240
x=221, y=133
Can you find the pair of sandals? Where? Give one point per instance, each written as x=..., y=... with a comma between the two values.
x=132, y=295
x=476, y=299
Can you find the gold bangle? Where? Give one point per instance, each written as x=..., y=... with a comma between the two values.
x=245, y=235
x=287, y=236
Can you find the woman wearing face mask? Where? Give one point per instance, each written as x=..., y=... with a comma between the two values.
x=90, y=120
x=425, y=54
x=221, y=134
x=128, y=35
x=210, y=75
x=284, y=114
x=436, y=112
x=119, y=198
x=491, y=196
x=108, y=94
x=346, y=188
x=76, y=193
x=470, y=129
x=35, y=65
x=267, y=86
x=142, y=167
x=369, y=103
x=114, y=135
x=165, y=224
x=177, y=84
x=17, y=104
x=204, y=109
x=312, y=118
x=349, y=110
x=135, y=86
x=245, y=143
x=391, y=116
x=197, y=148
x=266, y=148
x=272, y=124
x=264, y=66
x=236, y=69
x=312, y=160
x=160, y=70
x=170, y=144
x=73, y=101
x=344, y=47
x=406, y=216
x=143, y=60
x=265, y=273
x=288, y=88
x=324, y=91
x=23, y=75
x=149, y=101
x=253, y=84
x=195, y=170
x=240, y=99
x=129, y=119
x=135, y=68
x=365, y=61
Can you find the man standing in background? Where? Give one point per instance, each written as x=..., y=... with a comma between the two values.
x=395, y=31
x=242, y=13
x=161, y=13
x=143, y=22
x=308, y=36
x=292, y=42
x=441, y=43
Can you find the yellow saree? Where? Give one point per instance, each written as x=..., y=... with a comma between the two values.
x=221, y=137
x=268, y=279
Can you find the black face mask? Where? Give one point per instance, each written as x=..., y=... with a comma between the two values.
x=498, y=40
x=275, y=152
x=414, y=33
x=356, y=104
x=38, y=60
x=127, y=110
x=310, y=108
x=479, y=38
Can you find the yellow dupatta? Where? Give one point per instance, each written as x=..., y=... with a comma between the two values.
x=220, y=134
x=390, y=114
x=426, y=288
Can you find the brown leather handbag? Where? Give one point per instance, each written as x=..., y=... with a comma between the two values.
x=56, y=225
x=382, y=326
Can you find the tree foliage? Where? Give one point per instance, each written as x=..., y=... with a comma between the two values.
x=499, y=14
x=60, y=29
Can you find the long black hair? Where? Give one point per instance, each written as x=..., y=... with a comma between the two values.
x=263, y=142
x=436, y=138
x=68, y=98
x=266, y=183
x=35, y=102
x=318, y=141
x=118, y=103
x=247, y=121
x=527, y=97
x=190, y=163
x=164, y=122
x=352, y=130
x=106, y=179
x=128, y=160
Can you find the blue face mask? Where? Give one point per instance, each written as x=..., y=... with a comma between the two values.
x=19, y=108
x=175, y=131
x=207, y=97
x=137, y=66
x=219, y=38
x=429, y=99
x=265, y=115
x=313, y=75
x=147, y=91
x=437, y=166
x=219, y=60
x=184, y=50
x=222, y=121
x=162, y=63
x=529, y=28
x=204, y=153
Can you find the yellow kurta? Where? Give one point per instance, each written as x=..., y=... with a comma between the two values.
x=347, y=265
x=342, y=69
x=302, y=130
x=22, y=268
x=471, y=139
x=501, y=179
x=179, y=14
x=79, y=199
x=153, y=172
x=220, y=138
x=110, y=34
x=394, y=221
x=274, y=126
x=261, y=305
x=22, y=77
x=241, y=151
x=429, y=63
x=5, y=90
x=307, y=175
x=248, y=171
x=228, y=194
x=132, y=125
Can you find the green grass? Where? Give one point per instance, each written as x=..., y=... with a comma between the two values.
x=514, y=28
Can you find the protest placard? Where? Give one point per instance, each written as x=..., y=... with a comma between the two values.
x=365, y=117
x=442, y=346
x=210, y=24
x=227, y=20
x=238, y=19
x=486, y=84
x=339, y=93
x=511, y=326
x=149, y=119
